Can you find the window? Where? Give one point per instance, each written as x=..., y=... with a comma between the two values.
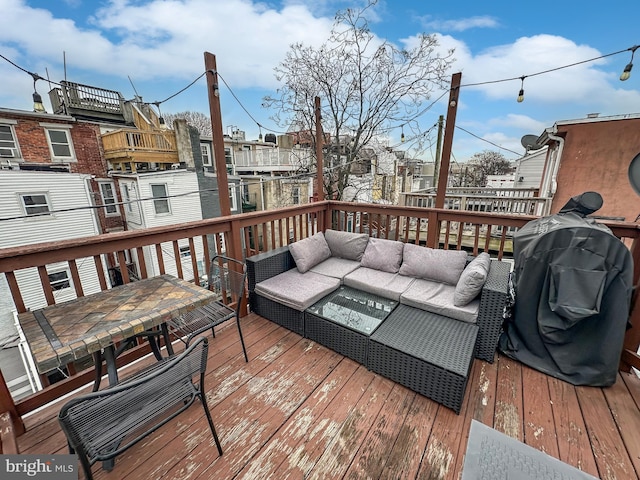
x=60, y=143
x=206, y=153
x=8, y=144
x=227, y=156
x=185, y=251
x=295, y=193
x=160, y=202
x=232, y=198
x=35, y=204
x=59, y=280
x=108, y=198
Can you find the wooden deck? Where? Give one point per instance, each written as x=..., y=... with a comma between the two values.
x=299, y=410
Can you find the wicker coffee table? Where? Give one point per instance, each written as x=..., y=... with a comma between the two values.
x=426, y=352
x=345, y=319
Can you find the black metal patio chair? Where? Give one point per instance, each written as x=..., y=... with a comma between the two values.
x=227, y=278
x=101, y=425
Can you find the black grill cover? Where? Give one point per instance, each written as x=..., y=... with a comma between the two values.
x=573, y=283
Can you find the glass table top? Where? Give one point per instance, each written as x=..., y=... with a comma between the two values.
x=357, y=310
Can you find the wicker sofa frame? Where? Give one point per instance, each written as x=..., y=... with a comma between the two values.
x=493, y=299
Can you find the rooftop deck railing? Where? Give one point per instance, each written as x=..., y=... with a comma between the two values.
x=161, y=250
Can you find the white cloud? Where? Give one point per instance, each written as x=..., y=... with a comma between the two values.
x=458, y=25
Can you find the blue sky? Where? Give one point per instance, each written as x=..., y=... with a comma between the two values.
x=159, y=45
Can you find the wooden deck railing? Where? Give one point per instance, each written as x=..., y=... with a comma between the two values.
x=161, y=250
x=145, y=141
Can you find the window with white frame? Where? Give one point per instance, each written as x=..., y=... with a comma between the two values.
x=60, y=143
x=206, y=154
x=295, y=193
x=185, y=251
x=232, y=198
x=228, y=158
x=160, y=200
x=35, y=204
x=8, y=142
x=107, y=191
x=59, y=280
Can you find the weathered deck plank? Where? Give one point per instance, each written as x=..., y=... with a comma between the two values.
x=573, y=441
x=298, y=410
x=607, y=444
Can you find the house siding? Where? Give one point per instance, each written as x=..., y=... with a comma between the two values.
x=64, y=191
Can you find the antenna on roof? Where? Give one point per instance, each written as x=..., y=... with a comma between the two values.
x=530, y=142
x=138, y=97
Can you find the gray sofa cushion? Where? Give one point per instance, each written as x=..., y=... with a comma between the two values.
x=472, y=280
x=433, y=264
x=346, y=244
x=309, y=251
x=297, y=290
x=384, y=284
x=336, y=267
x=384, y=255
x=437, y=297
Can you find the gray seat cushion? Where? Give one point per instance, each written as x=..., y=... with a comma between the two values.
x=386, y=284
x=297, y=290
x=336, y=267
x=437, y=298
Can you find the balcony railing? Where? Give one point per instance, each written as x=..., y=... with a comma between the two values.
x=246, y=234
x=140, y=144
x=519, y=201
x=267, y=159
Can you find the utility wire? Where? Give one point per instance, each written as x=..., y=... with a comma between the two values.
x=485, y=140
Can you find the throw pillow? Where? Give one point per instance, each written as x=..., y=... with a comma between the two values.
x=443, y=266
x=383, y=255
x=347, y=245
x=472, y=280
x=309, y=252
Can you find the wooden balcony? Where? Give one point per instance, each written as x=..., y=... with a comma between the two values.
x=328, y=415
x=140, y=146
x=299, y=410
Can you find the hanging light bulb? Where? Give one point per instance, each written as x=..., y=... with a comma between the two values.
x=260, y=136
x=402, y=134
x=38, y=106
x=520, y=98
x=626, y=73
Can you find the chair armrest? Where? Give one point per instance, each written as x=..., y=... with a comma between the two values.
x=269, y=264
x=492, y=302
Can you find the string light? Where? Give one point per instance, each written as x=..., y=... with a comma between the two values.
x=402, y=134
x=520, y=98
x=626, y=73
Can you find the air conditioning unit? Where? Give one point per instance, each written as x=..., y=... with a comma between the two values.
x=8, y=152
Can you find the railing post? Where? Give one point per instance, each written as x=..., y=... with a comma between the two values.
x=632, y=337
x=7, y=405
x=433, y=230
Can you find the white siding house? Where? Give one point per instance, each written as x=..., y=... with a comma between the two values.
x=159, y=199
x=40, y=207
x=529, y=169
x=44, y=207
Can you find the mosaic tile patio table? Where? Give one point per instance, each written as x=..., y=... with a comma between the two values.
x=62, y=333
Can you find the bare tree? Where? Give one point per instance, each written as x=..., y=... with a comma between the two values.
x=488, y=163
x=367, y=87
x=198, y=120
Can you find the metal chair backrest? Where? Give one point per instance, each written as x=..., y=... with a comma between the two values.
x=227, y=278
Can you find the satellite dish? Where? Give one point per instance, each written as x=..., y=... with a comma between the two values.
x=634, y=173
x=530, y=142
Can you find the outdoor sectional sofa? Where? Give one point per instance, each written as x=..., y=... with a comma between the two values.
x=447, y=307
